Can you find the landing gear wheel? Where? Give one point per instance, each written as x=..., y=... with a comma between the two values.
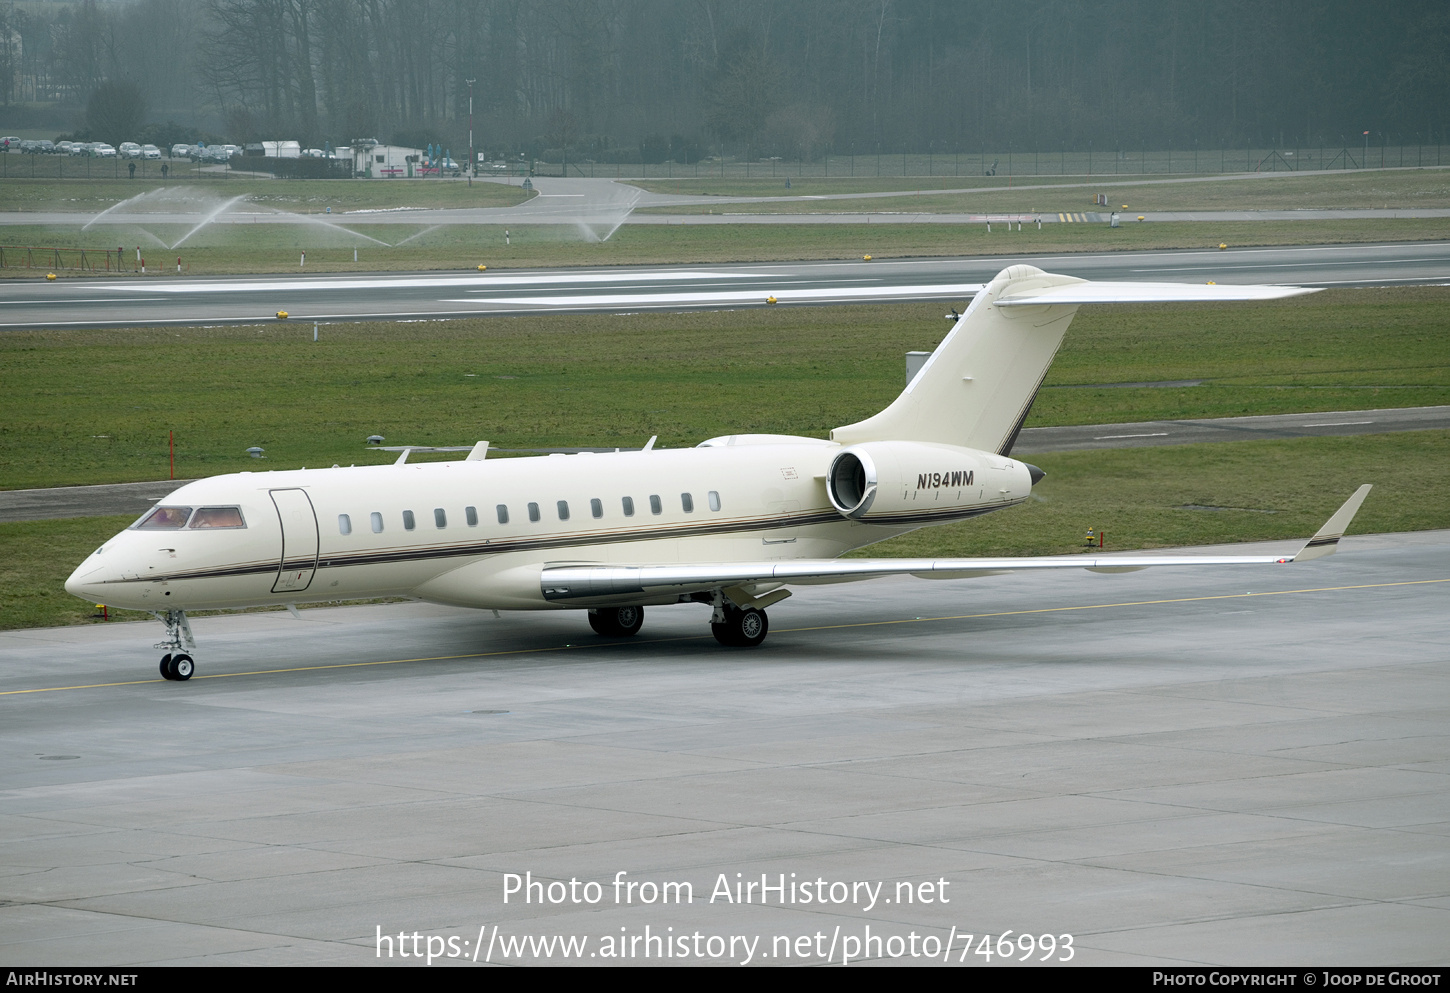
x=166, y=667
x=741, y=628
x=616, y=622
x=182, y=667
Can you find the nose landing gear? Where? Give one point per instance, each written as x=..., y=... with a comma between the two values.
x=176, y=663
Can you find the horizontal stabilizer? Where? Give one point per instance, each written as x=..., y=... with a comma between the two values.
x=1094, y=292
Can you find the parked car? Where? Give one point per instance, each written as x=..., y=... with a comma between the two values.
x=45, y=146
x=129, y=150
x=181, y=150
x=150, y=152
x=8, y=143
x=103, y=151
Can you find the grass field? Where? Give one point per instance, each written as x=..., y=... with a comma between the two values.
x=1140, y=498
x=1269, y=191
x=330, y=240
x=226, y=249
x=96, y=406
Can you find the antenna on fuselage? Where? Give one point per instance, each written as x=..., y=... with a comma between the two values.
x=651, y=443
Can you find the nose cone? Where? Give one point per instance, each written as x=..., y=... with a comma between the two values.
x=85, y=581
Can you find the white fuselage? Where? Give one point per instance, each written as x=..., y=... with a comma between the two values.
x=341, y=533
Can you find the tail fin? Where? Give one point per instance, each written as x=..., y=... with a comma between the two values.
x=978, y=385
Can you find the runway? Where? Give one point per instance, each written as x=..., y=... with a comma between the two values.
x=1240, y=766
x=128, y=301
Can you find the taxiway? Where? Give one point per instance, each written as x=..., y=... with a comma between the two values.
x=1244, y=766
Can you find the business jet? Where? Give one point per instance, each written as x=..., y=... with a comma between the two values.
x=732, y=523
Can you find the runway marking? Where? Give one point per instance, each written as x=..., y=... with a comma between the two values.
x=661, y=641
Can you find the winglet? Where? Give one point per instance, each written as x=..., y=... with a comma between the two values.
x=1326, y=539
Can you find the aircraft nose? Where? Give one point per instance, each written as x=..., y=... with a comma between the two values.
x=84, y=582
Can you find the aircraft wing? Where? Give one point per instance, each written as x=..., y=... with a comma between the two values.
x=605, y=582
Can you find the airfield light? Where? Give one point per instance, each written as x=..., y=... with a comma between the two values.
x=866, y=258
x=770, y=299
x=50, y=275
x=281, y=315
x=255, y=452
x=482, y=268
x=1221, y=246
x=376, y=439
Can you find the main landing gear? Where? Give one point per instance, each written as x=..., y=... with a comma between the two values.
x=616, y=622
x=177, y=663
x=737, y=620
x=740, y=628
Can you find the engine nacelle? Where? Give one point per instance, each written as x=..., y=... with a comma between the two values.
x=906, y=482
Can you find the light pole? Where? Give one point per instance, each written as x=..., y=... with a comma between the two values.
x=471, y=159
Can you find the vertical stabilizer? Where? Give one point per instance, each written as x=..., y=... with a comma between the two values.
x=976, y=388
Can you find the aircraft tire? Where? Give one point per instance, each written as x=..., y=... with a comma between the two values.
x=616, y=622
x=752, y=628
x=166, y=667
x=741, y=628
x=182, y=666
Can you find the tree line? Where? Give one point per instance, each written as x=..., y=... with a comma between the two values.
x=628, y=80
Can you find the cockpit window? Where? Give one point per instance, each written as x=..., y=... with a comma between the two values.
x=218, y=517
x=164, y=519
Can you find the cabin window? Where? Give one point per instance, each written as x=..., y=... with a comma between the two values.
x=563, y=510
x=217, y=517
x=377, y=522
x=687, y=502
x=470, y=514
x=655, y=507
x=503, y=514
x=714, y=500
x=408, y=522
x=344, y=523
x=534, y=514
x=440, y=518
x=164, y=519
x=596, y=507
x=628, y=506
